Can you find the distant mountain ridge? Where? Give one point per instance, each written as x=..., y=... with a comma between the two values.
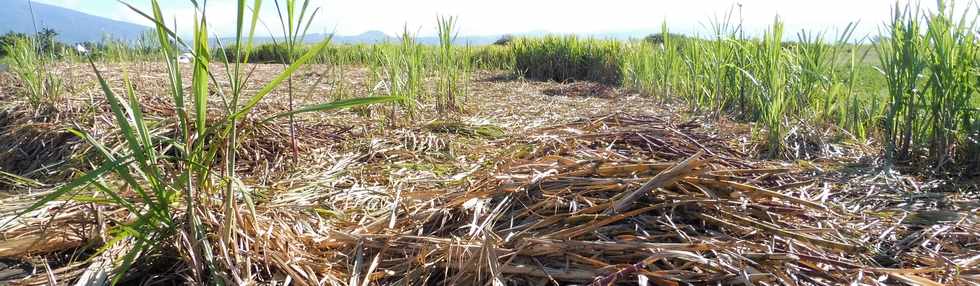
x=72, y=26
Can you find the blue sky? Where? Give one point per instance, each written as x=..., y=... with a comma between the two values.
x=515, y=16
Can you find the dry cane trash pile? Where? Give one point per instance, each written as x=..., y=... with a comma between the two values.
x=613, y=200
x=623, y=199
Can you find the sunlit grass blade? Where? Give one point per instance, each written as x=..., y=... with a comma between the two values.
x=74, y=185
x=269, y=87
x=340, y=104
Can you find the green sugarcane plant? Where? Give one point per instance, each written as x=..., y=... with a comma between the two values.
x=182, y=184
x=294, y=25
x=451, y=67
x=771, y=79
x=952, y=82
x=902, y=57
x=42, y=87
x=400, y=72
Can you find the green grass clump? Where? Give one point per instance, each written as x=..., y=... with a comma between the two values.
x=452, y=67
x=902, y=62
x=918, y=95
x=144, y=48
x=492, y=57
x=770, y=83
x=638, y=68
x=400, y=72
x=931, y=64
x=754, y=79
x=264, y=53
x=351, y=54
x=567, y=58
x=653, y=67
x=953, y=86
x=30, y=64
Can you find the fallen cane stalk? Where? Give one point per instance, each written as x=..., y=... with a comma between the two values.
x=662, y=179
x=798, y=236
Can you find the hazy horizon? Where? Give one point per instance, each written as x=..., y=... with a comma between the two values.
x=516, y=17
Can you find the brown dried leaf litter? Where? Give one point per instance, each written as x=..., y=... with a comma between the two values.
x=615, y=199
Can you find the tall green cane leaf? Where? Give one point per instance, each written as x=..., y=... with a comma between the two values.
x=255, y=99
x=340, y=104
x=73, y=185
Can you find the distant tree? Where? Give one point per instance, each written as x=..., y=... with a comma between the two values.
x=47, y=34
x=46, y=42
x=504, y=40
x=658, y=38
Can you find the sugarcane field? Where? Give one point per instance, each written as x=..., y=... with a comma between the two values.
x=324, y=142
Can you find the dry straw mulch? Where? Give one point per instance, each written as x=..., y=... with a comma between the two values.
x=612, y=200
